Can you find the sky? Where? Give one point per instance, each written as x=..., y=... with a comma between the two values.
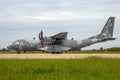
x=24, y=19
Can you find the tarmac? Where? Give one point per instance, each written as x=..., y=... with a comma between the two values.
x=56, y=56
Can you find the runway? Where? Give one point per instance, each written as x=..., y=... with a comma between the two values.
x=56, y=56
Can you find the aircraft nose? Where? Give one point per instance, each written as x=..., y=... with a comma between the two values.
x=8, y=47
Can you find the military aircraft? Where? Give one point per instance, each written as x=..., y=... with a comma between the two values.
x=59, y=42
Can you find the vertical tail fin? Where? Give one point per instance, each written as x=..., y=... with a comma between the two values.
x=107, y=31
x=105, y=35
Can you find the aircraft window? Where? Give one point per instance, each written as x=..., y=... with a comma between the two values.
x=16, y=42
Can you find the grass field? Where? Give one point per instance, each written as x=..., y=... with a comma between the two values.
x=75, y=69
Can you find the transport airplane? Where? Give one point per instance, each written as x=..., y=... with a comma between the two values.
x=59, y=42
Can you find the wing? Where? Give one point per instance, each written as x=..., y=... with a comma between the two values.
x=60, y=36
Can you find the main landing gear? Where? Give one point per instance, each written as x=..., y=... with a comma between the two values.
x=56, y=52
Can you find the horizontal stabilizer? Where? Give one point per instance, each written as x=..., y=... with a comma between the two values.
x=107, y=39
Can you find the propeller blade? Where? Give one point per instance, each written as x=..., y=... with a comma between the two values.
x=41, y=44
x=41, y=39
x=41, y=35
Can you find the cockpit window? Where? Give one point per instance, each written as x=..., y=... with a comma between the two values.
x=16, y=42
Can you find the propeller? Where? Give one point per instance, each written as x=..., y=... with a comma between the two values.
x=41, y=39
x=41, y=35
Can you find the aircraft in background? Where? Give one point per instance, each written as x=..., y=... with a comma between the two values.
x=59, y=42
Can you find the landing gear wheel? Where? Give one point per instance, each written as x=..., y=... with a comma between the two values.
x=25, y=51
x=56, y=52
x=53, y=52
x=18, y=52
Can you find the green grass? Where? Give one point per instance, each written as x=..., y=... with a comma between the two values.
x=52, y=69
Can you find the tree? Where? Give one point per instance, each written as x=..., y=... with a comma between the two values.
x=3, y=49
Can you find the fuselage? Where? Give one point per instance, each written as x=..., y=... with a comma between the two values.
x=33, y=45
x=25, y=45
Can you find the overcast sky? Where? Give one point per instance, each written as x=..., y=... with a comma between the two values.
x=24, y=19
